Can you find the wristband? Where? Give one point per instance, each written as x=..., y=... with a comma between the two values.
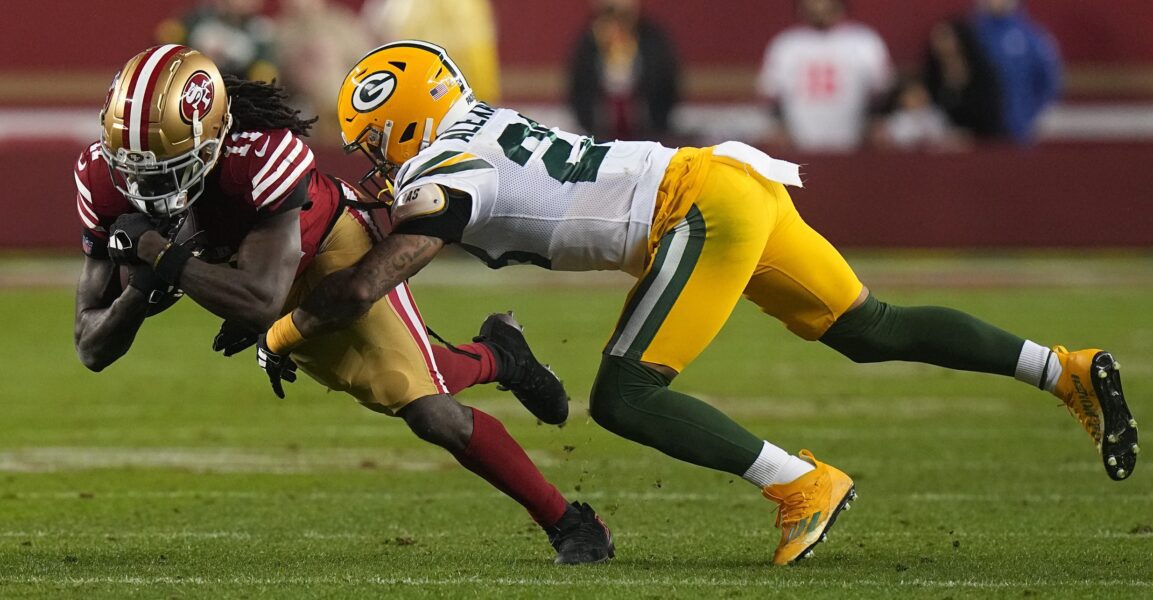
x=283, y=336
x=170, y=262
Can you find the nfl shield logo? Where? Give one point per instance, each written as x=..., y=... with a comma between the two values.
x=439, y=91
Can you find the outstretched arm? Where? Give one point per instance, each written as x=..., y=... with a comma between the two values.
x=346, y=295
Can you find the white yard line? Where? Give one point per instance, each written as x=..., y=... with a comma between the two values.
x=633, y=581
x=282, y=462
x=755, y=533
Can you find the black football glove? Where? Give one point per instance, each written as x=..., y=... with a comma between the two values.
x=160, y=295
x=233, y=338
x=277, y=367
x=125, y=235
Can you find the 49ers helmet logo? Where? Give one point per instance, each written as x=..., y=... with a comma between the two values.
x=197, y=96
x=373, y=90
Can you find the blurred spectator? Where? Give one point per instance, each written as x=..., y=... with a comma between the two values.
x=961, y=81
x=915, y=123
x=623, y=74
x=233, y=33
x=317, y=42
x=1025, y=59
x=823, y=77
x=465, y=28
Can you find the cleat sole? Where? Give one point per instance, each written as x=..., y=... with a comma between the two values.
x=1119, y=447
x=842, y=506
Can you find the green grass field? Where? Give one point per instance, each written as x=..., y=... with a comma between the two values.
x=176, y=473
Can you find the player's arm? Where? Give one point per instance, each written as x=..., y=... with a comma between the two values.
x=426, y=218
x=107, y=318
x=253, y=293
x=346, y=295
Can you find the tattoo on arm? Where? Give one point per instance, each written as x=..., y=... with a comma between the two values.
x=344, y=296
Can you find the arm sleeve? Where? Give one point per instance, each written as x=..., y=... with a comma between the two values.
x=447, y=224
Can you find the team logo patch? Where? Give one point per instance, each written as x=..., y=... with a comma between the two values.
x=372, y=91
x=196, y=99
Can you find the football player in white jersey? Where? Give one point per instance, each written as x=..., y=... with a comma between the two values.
x=698, y=227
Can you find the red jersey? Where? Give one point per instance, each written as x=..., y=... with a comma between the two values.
x=254, y=179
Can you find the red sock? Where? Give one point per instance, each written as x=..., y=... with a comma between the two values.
x=461, y=371
x=495, y=456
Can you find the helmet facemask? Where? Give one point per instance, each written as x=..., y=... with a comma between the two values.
x=377, y=181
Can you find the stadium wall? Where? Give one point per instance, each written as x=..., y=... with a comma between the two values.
x=1105, y=44
x=1056, y=195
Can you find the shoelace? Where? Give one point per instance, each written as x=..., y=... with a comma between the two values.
x=589, y=530
x=793, y=508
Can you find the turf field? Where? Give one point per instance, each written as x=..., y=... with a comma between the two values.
x=176, y=473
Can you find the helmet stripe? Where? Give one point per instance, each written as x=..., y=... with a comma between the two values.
x=140, y=95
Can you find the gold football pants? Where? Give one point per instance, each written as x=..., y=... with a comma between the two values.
x=384, y=359
x=720, y=231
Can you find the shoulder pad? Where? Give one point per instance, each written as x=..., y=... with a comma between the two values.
x=421, y=201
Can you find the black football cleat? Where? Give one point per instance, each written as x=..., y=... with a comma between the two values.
x=534, y=384
x=581, y=537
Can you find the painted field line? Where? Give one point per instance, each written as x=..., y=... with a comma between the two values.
x=624, y=534
x=237, y=460
x=646, y=496
x=631, y=582
x=223, y=460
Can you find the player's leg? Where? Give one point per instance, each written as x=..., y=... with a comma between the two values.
x=501, y=353
x=386, y=361
x=696, y=276
x=803, y=281
x=692, y=282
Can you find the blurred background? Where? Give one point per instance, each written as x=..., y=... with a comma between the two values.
x=953, y=123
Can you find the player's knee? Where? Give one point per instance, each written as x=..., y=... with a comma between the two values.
x=864, y=334
x=440, y=420
x=619, y=392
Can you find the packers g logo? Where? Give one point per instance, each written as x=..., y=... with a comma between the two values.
x=372, y=91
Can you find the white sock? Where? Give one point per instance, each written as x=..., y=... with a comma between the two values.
x=774, y=465
x=1038, y=366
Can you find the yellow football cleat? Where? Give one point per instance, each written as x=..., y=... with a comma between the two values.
x=808, y=507
x=1090, y=387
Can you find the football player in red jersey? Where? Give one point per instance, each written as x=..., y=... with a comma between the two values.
x=205, y=185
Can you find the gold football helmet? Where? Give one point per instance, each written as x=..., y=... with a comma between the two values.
x=164, y=123
x=395, y=101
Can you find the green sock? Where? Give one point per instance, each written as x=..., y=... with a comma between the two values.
x=877, y=332
x=634, y=402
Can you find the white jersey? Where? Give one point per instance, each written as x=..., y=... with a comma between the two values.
x=544, y=196
x=824, y=80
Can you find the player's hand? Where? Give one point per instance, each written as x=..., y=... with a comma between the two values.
x=124, y=239
x=233, y=338
x=277, y=367
x=160, y=295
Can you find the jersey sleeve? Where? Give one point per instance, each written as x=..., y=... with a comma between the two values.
x=462, y=177
x=265, y=167
x=98, y=203
x=447, y=224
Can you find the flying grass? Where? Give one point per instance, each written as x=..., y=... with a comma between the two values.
x=176, y=473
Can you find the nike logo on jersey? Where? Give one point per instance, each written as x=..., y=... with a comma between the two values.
x=263, y=148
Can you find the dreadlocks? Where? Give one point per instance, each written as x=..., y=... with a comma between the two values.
x=259, y=105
